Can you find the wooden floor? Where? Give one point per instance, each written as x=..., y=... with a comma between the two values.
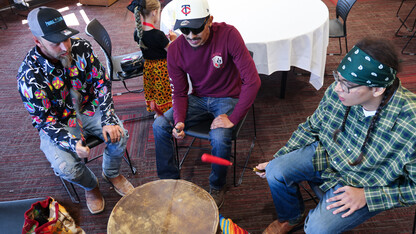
x=25, y=172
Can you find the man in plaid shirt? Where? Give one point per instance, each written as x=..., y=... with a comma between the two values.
x=359, y=146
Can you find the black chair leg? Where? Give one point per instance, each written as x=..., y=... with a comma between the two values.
x=283, y=84
x=414, y=224
x=312, y=197
x=407, y=43
x=346, y=45
x=254, y=122
x=240, y=180
x=175, y=142
x=253, y=141
x=403, y=23
x=4, y=22
x=128, y=161
x=340, y=47
x=128, y=91
x=70, y=189
x=188, y=148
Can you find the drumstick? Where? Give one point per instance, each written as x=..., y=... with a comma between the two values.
x=208, y=158
x=156, y=109
x=75, y=95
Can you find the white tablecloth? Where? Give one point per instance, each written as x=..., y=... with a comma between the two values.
x=280, y=33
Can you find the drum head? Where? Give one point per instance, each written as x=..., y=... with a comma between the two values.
x=165, y=206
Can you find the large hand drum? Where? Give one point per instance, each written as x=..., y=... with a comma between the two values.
x=165, y=206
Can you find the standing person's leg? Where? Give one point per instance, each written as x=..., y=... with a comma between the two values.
x=163, y=91
x=283, y=175
x=320, y=220
x=113, y=153
x=148, y=82
x=167, y=167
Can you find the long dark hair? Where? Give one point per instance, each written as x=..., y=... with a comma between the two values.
x=384, y=52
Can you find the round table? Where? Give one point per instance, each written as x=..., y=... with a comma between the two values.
x=165, y=206
x=280, y=33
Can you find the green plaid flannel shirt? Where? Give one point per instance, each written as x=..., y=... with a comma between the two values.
x=388, y=171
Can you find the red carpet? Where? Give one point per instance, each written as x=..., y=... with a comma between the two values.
x=25, y=172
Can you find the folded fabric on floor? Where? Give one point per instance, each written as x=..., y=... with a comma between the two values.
x=229, y=227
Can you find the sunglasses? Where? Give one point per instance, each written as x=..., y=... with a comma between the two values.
x=346, y=88
x=194, y=31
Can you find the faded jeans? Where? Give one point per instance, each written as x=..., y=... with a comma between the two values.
x=70, y=167
x=199, y=109
x=283, y=175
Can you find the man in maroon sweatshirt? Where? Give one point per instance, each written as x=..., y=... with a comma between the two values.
x=224, y=83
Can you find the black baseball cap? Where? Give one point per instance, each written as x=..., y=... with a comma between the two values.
x=49, y=24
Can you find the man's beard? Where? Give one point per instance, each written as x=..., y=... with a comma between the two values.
x=66, y=60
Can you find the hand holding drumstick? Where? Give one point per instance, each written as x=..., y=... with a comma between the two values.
x=208, y=158
x=179, y=126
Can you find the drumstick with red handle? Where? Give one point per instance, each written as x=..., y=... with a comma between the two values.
x=156, y=109
x=208, y=158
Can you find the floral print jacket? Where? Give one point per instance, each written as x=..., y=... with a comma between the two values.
x=44, y=89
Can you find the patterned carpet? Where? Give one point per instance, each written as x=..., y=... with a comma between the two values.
x=25, y=172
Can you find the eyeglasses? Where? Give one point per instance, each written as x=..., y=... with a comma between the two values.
x=194, y=31
x=346, y=88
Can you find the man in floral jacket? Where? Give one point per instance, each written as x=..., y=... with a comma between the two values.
x=55, y=67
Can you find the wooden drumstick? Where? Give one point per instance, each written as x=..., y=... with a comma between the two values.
x=156, y=109
x=208, y=158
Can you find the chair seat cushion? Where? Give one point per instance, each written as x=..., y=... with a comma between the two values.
x=93, y=141
x=336, y=28
x=200, y=130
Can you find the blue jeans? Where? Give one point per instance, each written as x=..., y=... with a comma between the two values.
x=283, y=175
x=70, y=167
x=199, y=109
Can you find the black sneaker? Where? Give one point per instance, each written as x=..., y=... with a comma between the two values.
x=218, y=195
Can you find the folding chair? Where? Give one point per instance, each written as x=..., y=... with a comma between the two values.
x=407, y=43
x=92, y=141
x=338, y=29
x=12, y=214
x=201, y=131
x=96, y=30
x=403, y=22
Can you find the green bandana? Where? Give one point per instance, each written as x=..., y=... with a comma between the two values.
x=360, y=68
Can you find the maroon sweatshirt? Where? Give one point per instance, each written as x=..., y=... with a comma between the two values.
x=222, y=67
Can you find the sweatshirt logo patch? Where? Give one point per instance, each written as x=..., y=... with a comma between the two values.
x=217, y=61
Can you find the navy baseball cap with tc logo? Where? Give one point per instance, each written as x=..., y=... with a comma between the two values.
x=49, y=24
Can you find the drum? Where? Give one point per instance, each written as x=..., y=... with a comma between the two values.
x=165, y=206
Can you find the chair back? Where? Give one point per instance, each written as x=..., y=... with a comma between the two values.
x=343, y=8
x=97, y=31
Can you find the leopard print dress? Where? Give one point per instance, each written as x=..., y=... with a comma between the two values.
x=157, y=85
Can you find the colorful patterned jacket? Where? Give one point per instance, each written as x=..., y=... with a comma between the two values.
x=44, y=89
